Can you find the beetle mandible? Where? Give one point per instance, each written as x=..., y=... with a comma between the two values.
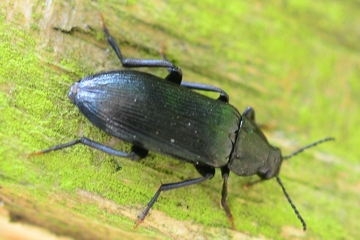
x=168, y=117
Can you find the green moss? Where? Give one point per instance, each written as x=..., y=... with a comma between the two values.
x=34, y=27
x=296, y=63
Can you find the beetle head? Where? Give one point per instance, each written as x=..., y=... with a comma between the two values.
x=271, y=167
x=252, y=154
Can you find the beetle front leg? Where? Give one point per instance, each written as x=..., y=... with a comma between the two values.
x=136, y=153
x=175, y=74
x=249, y=113
x=207, y=172
x=225, y=175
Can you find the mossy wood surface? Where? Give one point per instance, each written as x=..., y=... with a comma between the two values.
x=296, y=62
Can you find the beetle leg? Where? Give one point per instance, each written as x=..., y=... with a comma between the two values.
x=175, y=72
x=136, y=153
x=225, y=175
x=207, y=172
x=204, y=87
x=173, y=76
x=250, y=184
x=249, y=113
x=197, y=86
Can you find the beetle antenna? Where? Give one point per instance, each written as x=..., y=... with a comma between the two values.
x=291, y=203
x=309, y=146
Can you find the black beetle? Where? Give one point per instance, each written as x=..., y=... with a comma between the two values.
x=169, y=118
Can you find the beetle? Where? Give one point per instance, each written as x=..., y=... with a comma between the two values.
x=168, y=117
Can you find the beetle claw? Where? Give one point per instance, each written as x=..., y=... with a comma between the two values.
x=35, y=154
x=137, y=223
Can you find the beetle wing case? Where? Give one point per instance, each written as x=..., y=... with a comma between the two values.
x=158, y=115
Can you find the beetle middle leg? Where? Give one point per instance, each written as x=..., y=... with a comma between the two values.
x=225, y=175
x=206, y=172
x=136, y=153
x=205, y=87
x=196, y=86
x=175, y=74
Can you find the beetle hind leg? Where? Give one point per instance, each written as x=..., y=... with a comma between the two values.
x=175, y=74
x=136, y=153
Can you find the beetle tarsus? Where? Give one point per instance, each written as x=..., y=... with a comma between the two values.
x=138, y=222
x=35, y=154
x=250, y=184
